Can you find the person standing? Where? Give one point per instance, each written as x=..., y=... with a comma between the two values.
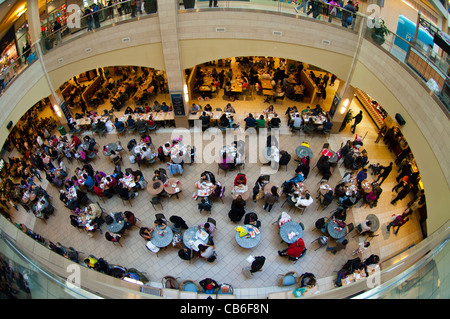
x=358, y=119
x=271, y=198
x=398, y=221
x=304, y=4
x=386, y=170
x=347, y=14
x=402, y=194
x=381, y=133
x=211, y=2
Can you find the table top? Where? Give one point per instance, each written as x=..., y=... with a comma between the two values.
x=247, y=241
x=325, y=188
x=169, y=186
x=116, y=226
x=191, y=234
x=204, y=188
x=336, y=233
x=366, y=186
x=151, y=190
x=303, y=151
x=241, y=190
x=288, y=228
x=109, y=147
x=274, y=154
x=267, y=92
x=163, y=239
x=375, y=222
x=269, y=186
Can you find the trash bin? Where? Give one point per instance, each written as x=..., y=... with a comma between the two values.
x=61, y=130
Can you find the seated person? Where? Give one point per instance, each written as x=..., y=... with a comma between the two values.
x=339, y=190
x=141, y=125
x=275, y=121
x=297, y=178
x=223, y=121
x=130, y=121
x=119, y=124
x=250, y=121
x=269, y=110
x=304, y=200
x=307, y=110
x=164, y=107
x=195, y=108
x=297, y=122
x=208, y=108
x=160, y=225
x=252, y=219
x=327, y=125
x=204, y=205
x=159, y=176
x=206, y=119
x=208, y=227
x=209, y=285
x=146, y=233
x=186, y=253
x=156, y=107
x=240, y=179
x=260, y=122
x=229, y=108
x=365, y=227
x=206, y=251
x=295, y=250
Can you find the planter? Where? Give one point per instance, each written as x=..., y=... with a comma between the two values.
x=379, y=39
x=189, y=4
x=150, y=6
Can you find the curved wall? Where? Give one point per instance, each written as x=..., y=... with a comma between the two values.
x=251, y=33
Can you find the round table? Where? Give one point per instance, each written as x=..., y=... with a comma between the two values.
x=192, y=234
x=245, y=195
x=303, y=151
x=366, y=186
x=151, y=187
x=163, y=239
x=375, y=222
x=109, y=147
x=288, y=228
x=335, y=233
x=268, y=187
x=169, y=187
x=247, y=241
x=324, y=188
x=269, y=156
x=116, y=226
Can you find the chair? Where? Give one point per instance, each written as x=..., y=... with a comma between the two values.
x=132, y=219
x=225, y=289
x=212, y=221
x=189, y=285
x=170, y=282
x=222, y=193
x=322, y=240
x=152, y=128
x=121, y=130
x=226, y=169
x=296, y=129
x=125, y=199
x=155, y=201
x=350, y=227
x=131, y=129
x=143, y=130
x=290, y=202
x=290, y=278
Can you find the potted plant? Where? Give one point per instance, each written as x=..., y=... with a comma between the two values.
x=379, y=31
x=150, y=6
x=348, y=118
x=189, y=4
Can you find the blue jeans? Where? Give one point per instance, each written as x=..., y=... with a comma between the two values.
x=304, y=5
x=175, y=168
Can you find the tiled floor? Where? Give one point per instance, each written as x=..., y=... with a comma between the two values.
x=231, y=258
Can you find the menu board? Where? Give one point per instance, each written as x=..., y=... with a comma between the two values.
x=178, y=104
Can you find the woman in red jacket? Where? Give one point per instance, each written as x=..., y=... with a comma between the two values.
x=295, y=250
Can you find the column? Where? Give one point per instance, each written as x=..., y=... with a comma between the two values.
x=34, y=21
x=346, y=93
x=58, y=103
x=168, y=19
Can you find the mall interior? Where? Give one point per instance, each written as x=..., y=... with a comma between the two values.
x=87, y=87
